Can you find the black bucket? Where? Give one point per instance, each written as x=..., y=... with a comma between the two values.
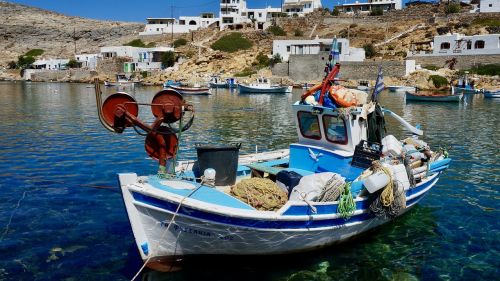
x=223, y=159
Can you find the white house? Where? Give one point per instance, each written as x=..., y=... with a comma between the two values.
x=88, y=61
x=285, y=48
x=360, y=8
x=300, y=7
x=51, y=64
x=141, y=58
x=156, y=26
x=458, y=44
x=489, y=6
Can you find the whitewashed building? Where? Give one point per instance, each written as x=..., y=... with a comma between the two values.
x=142, y=59
x=300, y=7
x=489, y=6
x=185, y=24
x=51, y=64
x=285, y=48
x=365, y=8
x=88, y=61
x=458, y=44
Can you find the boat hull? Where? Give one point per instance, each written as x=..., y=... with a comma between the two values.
x=200, y=229
x=465, y=90
x=191, y=91
x=433, y=98
x=401, y=89
x=491, y=95
x=258, y=90
x=218, y=85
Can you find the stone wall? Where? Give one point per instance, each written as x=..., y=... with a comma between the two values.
x=463, y=62
x=72, y=75
x=301, y=68
x=114, y=65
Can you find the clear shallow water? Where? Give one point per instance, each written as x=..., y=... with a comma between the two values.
x=53, y=226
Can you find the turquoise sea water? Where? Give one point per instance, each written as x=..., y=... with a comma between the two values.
x=56, y=225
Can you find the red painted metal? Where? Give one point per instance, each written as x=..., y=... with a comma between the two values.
x=114, y=108
x=167, y=104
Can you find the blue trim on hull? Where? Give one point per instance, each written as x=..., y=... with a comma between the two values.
x=277, y=224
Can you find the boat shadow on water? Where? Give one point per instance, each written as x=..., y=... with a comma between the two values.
x=375, y=247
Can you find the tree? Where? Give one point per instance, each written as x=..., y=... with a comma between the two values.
x=276, y=59
x=377, y=12
x=25, y=61
x=167, y=59
x=136, y=43
x=453, y=8
x=369, y=50
x=335, y=12
x=73, y=64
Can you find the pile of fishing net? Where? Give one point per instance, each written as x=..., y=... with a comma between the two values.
x=391, y=199
x=260, y=193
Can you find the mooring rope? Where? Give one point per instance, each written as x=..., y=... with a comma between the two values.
x=166, y=230
x=346, y=206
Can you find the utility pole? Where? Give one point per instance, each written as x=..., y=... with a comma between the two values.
x=173, y=21
x=74, y=38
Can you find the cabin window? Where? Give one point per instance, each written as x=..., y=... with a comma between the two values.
x=335, y=129
x=479, y=44
x=445, y=46
x=309, y=125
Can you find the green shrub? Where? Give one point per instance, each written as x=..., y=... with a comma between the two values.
x=486, y=21
x=136, y=43
x=402, y=54
x=390, y=47
x=275, y=59
x=245, y=72
x=167, y=59
x=335, y=12
x=438, y=81
x=369, y=50
x=276, y=30
x=34, y=53
x=377, y=12
x=144, y=74
x=431, y=67
x=73, y=64
x=487, y=69
x=231, y=43
x=453, y=8
x=261, y=60
x=180, y=42
x=297, y=32
x=151, y=45
x=25, y=61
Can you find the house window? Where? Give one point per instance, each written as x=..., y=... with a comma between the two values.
x=335, y=129
x=260, y=15
x=309, y=125
x=469, y=45
x=479, y=44
x=288, y=49
x=445, y=46
x=490, y=5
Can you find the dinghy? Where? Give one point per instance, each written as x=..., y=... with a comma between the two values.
x=195, y=90
x=333, y=184
x=402, y=89
x=492, y=94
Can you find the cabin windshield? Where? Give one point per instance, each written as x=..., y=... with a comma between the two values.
x=335, y=129
x=309, y=125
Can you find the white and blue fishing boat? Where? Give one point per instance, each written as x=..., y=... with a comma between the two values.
x=263, y=86
x=192, y=210
x=400, y=88
x=466, y=86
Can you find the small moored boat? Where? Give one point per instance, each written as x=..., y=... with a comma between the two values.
x=121, y=80
x=404, y=89
x=195, y=90
x=430, y=96
x=263, y=85
x=492, y=94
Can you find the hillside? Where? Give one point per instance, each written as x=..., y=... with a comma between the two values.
x=23, y=28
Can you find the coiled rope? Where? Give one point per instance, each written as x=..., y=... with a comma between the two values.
x=260, y=193
x=332, y=189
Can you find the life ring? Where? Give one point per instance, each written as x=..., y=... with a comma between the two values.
x=339, y=98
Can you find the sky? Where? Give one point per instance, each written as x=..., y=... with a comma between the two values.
x=138, y=11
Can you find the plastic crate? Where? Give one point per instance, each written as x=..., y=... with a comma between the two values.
x=365, y=153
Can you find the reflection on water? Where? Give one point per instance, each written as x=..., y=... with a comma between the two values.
x=52, y=148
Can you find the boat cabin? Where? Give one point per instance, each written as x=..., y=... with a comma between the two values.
x=263, y=81
x=325, y=127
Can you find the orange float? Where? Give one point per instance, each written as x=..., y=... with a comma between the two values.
x=334, y=95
